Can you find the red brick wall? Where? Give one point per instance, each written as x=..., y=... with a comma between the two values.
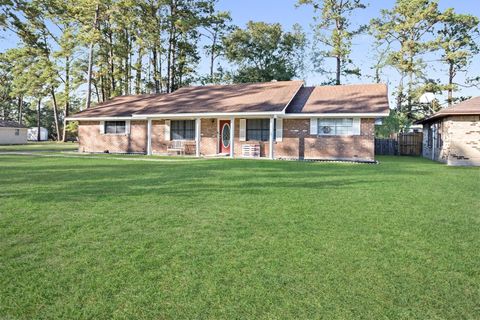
x=264, y=145
x=91, y=140
x=298, y=143
x=209, y=134
x=208, y=145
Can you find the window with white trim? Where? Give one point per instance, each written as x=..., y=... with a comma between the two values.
x=115, y=127
x=259, y=130
x=182, y=129
x=335, y=127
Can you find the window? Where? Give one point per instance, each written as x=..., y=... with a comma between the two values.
x=182, y=130
x=335, y=127
x=430, y=137
x=17, y=132
x=115, y=127
x=259, y=129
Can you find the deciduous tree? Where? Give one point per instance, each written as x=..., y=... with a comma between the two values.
x=265, y=52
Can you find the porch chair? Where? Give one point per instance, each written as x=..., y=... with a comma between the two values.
x=177, y=146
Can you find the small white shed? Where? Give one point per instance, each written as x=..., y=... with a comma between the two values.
x=12, y=132
x=33, y=136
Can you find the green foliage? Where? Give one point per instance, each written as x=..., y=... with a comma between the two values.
x=264, y=52
x=333, y=33
x=456, y=40
x=405, y=31
x=72, y=129
x=396, y=122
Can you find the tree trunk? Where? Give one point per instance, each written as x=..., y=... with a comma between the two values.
x=173, y=66
x=67, y=97
x=90, y=62
x=38, y=119
x=95, y=85
x=410, y=92
x=112, y=64
x=127, y=65
x=102, y=86
x=400, y=93
x=212, y=57
x=55, y=115
x=451, y=76
x=339, y=70
x=160, y=77
x=20, y=110
x=171, y=48
x=155, y=70
x=138, y=74
x=169, y=61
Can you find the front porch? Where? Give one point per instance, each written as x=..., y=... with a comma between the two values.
x=214, y=136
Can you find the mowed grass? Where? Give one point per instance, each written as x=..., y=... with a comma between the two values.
x=46, y=146
x=238, y=239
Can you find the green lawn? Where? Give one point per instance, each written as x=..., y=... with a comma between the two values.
x=237, y=239
x=40, y=146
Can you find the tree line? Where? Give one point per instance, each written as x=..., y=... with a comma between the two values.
x=71, y=55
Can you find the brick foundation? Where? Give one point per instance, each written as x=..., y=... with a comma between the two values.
x=92, y=140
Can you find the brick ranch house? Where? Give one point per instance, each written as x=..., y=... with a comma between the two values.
x=452, y=135
x=276, y=120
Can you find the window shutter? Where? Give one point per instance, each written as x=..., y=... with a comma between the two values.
x=279, y=131
x=127, y=127
x=313, y=126
x=167, y=130
x=243, y=129
x=356, y=126
x=102, y=127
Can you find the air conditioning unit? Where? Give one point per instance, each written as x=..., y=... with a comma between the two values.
x=251, y=150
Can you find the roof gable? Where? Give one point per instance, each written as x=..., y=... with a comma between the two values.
x=361, y=98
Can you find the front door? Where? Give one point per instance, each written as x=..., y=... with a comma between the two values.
x=224, y=136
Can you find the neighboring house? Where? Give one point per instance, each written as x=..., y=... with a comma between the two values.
x=12, y=132
x=33, y=134
x=452, y=135
x=276, y=120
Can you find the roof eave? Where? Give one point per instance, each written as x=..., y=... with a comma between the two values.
x=205, y=115
x=444, y=115
x=102, y=118
x=337, y=115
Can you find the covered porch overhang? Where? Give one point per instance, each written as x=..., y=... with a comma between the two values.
x=231, y=117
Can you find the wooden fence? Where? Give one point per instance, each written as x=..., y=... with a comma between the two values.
x=406, y=144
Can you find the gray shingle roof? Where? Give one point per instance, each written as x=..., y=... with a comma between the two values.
x=249, y=97
x=356, y=98
x=467, y=107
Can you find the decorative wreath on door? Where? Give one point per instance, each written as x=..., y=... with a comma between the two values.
x=326, y=129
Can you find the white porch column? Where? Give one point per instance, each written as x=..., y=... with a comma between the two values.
x=270, y=140
x=149, y=137
x=197, y=137
x=232, y=137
